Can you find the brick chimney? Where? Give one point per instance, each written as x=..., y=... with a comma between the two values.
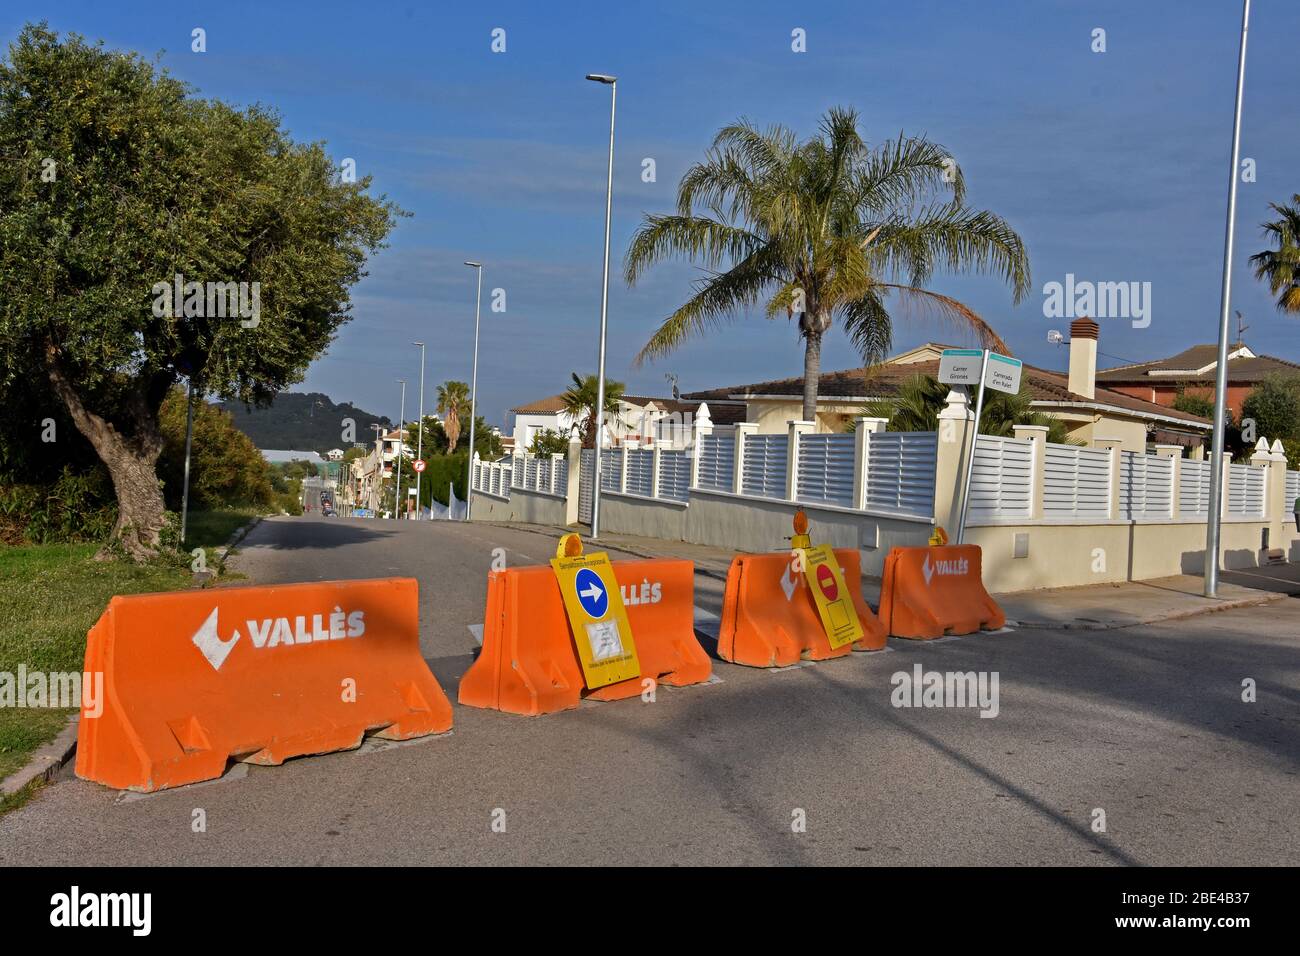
x=1083, y=357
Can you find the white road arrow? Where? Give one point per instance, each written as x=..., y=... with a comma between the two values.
x=592, y=592
x=210, y=645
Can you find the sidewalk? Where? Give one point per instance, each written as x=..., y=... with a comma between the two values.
x=1092, y=607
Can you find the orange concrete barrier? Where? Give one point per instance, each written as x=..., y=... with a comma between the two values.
x=930, y=592
x=258, y=674
x=529, y=664
x=769, y=617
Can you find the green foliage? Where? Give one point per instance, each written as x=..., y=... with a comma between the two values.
x=580, y=400
x=1274, y=404
x=549, y=442
x=822, y=227
x=1195, y=403
x=226, y=469
x=921, y=397
x=75, y=507
x=1280, y=267
x=454, y=407
x=150, y=182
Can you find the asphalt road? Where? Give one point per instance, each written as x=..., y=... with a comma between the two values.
x=1146, y=724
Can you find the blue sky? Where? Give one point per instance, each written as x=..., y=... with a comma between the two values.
x=1112, y=166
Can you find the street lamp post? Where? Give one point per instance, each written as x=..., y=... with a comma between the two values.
x=419, y=441
x=1212, y=519
x=397, y=458
x=375, y=499
x=473, y=391
x=612, y=82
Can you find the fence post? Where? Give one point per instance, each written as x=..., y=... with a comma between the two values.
x=1116, y=447
x=866, y=427
x=702, y=426
x=738, y=472
x=1176, y=453
x=654, y=471
x=796, y=428
x=572, y=488
x=622, y=468
x=555, y=466
x=1276, y=508
x=1037, y=466
x=956, y=435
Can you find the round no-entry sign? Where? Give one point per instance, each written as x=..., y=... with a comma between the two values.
x=826, y=581
x=418, y=464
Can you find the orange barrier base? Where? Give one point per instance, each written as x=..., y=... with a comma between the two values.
x=762, y=627
x=529, y=664
x=193, y=680
x=932, y=592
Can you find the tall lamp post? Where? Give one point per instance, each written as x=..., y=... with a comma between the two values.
x=419, y=441
x=1214, y=517
x=612, y=82
x=397, y=458
x=473, y=391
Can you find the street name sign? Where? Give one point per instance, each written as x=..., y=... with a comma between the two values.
x=960, y=366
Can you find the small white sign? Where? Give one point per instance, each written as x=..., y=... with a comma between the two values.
x=960, y=366
x=1003, y=373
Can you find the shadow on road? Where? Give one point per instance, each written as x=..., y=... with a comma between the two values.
x=315, y=533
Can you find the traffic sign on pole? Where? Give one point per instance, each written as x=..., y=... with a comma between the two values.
x=418, y=465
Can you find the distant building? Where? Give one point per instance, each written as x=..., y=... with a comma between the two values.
x=277, y=456
x=335, y=454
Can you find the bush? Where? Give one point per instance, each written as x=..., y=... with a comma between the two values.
x=226, y=469
x=76, y=507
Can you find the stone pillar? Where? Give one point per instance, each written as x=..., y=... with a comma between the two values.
x=1038, y=435
x=572, y=489
x=702, y=426
x=1176, y=453
x=796, y=428
x=1116, y=447
x=956, y=435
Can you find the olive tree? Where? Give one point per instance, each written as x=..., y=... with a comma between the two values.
x=148, y=235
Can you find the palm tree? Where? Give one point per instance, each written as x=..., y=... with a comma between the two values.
x=453, y=403
x=1281, y=266
x=921, y=398
x=580, y=405
x=819, y=227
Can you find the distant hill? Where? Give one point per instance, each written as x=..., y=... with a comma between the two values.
x=304, y=421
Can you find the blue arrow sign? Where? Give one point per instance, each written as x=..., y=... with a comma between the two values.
x=591, y=592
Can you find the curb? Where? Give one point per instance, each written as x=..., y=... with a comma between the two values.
x=1269, y=597
x=46, y=761
x=239, y=535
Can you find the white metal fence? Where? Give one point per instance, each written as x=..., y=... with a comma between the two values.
x=900, y=473
x=1292, y=487
x=1076, y=482
x=1193, y=488
x=674, y=475
x=1245, y=491
x=826, y=469
x=1146, y=487
x=1002, y=479
x=717, y=468
x=640, y=472
x=765, y=465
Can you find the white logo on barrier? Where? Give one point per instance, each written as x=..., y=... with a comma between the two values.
x=647, y=593
x=271, y=632
x=950, y=566
x=789, y=582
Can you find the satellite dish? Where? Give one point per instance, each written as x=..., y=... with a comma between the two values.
x=1055, y=337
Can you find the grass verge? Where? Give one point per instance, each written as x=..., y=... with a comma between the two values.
x=52, y=594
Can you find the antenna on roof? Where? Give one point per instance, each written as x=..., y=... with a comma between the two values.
x=1241, y=328
x=673, y=379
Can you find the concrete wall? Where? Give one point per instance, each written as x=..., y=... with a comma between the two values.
x=530, y=507
x=1065, y=555
x=758, y=525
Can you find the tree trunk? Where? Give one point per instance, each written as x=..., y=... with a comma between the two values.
x=812, y=368
x=131, y=462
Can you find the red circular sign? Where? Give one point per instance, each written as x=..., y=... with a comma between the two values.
x=418, y=464
x=826, y=581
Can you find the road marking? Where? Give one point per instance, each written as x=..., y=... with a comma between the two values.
x=704, y=617
x=477, y=631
